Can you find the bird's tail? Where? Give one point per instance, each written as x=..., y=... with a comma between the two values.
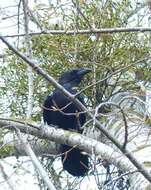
x=74, y=161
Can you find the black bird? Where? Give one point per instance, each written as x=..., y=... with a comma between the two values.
x=59, y=111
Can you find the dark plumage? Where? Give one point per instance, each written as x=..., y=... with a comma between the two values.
x=75, y=162
x=59, y=111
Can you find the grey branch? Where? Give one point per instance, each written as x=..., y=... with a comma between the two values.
x=61, y=136
x=83, y=32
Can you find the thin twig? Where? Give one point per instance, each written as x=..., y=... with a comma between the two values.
x=6, y=177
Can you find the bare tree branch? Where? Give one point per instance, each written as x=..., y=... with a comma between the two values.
x=73, y=139
x=84, y=32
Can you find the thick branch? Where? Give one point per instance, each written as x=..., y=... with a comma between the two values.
x=73, y=139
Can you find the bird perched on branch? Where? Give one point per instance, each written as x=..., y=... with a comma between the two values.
x=58, y=110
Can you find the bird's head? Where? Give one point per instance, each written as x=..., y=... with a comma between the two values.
x=73, y=77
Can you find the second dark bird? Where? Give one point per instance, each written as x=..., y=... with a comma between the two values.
x=59, y=111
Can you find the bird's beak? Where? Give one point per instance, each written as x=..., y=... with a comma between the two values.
x=84, y=71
